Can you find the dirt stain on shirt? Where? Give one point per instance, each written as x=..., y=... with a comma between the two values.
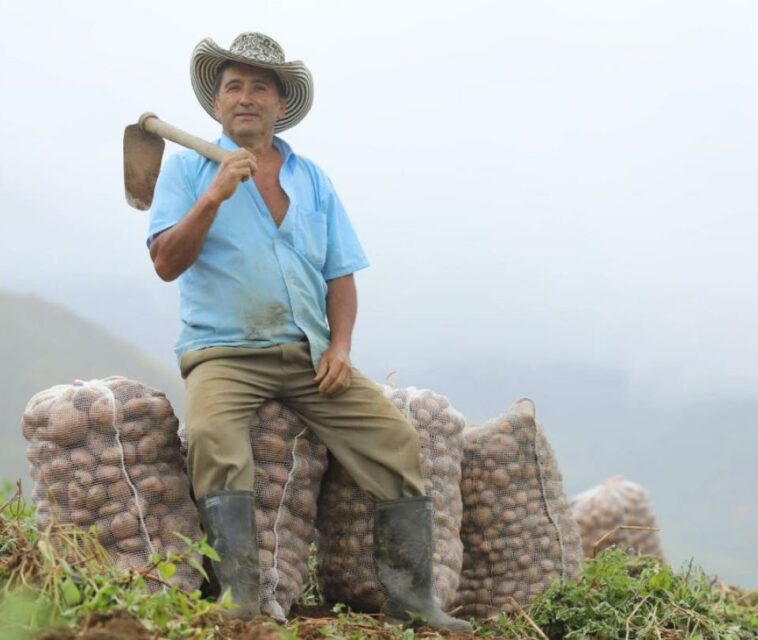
x=269, y=322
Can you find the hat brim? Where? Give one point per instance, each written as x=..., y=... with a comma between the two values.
x=295, y=77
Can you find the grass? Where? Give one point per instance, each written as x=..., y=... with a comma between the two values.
x=62, y=579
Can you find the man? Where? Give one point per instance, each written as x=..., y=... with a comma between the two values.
x=265, y=256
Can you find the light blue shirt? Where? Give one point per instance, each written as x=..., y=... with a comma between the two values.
x=255, y=285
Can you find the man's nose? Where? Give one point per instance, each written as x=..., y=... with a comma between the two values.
x=247, y=96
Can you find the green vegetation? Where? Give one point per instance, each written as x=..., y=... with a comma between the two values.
x=62, y=579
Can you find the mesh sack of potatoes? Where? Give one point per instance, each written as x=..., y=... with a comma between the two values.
x=345, y=515
x=106, y=453
x=517, y=530
x=290, y=462
x=617, y=513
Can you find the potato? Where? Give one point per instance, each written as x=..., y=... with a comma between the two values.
x=160, y=409
x=111, y=456
x=269, y=447
x=130, y=453
x=110, y=509
x=82, y=517
x=137, y=407
x=130, y=562
x=108, y=474
x=148, y=449
x=66, y=424
x=271, y=495
x=137, y=471
x=84, y=397
x=40, y=412
x=124, y=525
x=175, y=488
x=168, y=425
x=82, y=459
x=75, y=496
x=96, y=497
x=134, y=544
x=96, y=442
x=119, y=490
x=134, y=429
x=150, y=487
x=106, y=414
x=277, y=473
x=28, y=425
x=58, y=492
x=124, y=390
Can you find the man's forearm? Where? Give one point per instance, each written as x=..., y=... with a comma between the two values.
x=341, y=310
x=174, y=250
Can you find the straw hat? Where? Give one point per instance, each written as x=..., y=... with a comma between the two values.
x=258, y=50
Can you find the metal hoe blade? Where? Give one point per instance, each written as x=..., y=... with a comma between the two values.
x=143, y=152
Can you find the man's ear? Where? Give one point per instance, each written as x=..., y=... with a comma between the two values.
x=282, y=108
x=215, y=108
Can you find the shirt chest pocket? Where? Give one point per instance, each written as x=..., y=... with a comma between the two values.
x=310, y=236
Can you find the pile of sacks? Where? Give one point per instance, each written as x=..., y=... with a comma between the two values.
x=107, y=453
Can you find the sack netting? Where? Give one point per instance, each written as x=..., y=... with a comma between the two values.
x=609, y=516
x=106, y=453
x=345, y=520
x=517, y=530
x=290, y=462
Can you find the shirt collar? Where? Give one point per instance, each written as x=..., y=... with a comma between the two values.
x=225, y=142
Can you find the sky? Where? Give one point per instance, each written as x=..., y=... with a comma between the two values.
x=530, y=180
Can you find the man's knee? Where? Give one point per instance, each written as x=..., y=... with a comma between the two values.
x=205, y=423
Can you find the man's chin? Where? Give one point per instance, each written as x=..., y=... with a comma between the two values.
x=247, y=131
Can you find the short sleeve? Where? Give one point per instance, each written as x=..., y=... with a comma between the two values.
x=344, y=254
x=173, y=197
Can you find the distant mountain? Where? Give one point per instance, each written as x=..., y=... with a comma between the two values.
x=41, y=345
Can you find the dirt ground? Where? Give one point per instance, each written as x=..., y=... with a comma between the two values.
x=104, y=627
x=312, y=623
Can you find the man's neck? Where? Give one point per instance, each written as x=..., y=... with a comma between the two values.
x=255, y=144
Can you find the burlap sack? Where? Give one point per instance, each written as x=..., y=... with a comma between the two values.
x=106, y=453
x=517, y=531
x=608, y=515
x=346, y=514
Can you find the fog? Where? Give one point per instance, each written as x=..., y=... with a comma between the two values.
x=547, y=191
x=529, y=180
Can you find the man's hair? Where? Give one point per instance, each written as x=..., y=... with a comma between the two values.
x=230, y=63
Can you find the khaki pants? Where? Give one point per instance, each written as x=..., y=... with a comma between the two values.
x=362, y=429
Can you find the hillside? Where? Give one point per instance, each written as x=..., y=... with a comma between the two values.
x=43, y=344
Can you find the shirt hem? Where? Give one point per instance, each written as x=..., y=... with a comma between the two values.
x=344, y=272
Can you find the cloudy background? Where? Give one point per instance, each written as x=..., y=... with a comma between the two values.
x=558, y=199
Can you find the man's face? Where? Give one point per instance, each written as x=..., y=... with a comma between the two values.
x=248, y=103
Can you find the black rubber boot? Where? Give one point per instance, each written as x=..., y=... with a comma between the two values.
x=229, y=522
x=403, y=557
